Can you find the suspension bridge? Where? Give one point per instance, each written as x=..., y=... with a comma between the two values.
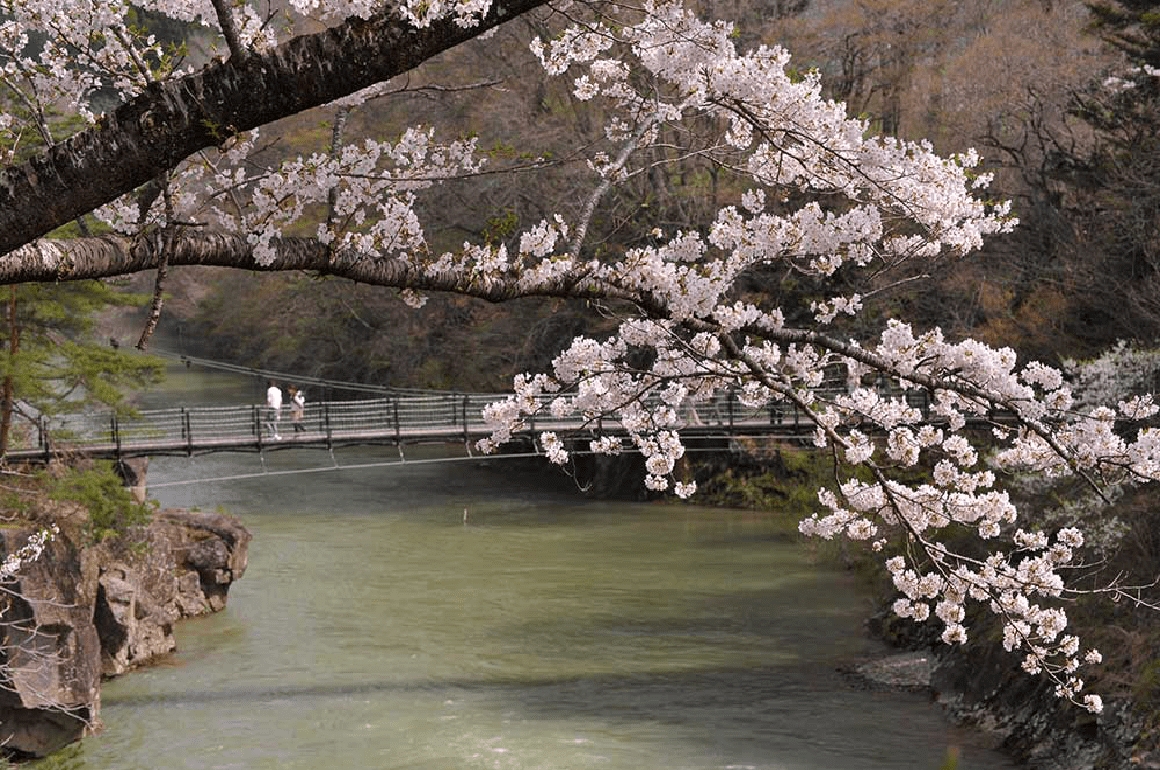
x=390, y=416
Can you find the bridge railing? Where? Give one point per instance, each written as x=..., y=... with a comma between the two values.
x=406, y=417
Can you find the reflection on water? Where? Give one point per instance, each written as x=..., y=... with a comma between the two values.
x=376, y=628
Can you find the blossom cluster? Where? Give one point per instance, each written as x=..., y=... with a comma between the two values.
x=58, y=56
x=67, y=55
x=372, y=186
x=27, y=553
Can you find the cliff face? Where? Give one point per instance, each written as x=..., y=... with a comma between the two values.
x=79, y=613
x=981, y=686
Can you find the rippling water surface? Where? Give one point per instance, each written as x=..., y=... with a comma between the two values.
x=447, y=616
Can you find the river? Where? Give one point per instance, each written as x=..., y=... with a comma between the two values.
x=462, y=616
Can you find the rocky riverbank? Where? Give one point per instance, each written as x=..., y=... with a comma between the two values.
x=86, y=611
x=981, y=686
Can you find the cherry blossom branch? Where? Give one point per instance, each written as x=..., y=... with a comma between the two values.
x=168, y=235
x=229, y=29
x=608, y=174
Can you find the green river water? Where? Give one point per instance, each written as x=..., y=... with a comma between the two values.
x=377, y=628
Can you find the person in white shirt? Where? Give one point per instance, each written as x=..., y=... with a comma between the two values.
x=274, y=404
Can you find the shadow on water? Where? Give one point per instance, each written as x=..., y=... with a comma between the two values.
x=599, y=692
x=750, y=715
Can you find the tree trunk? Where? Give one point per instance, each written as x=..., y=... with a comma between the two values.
x=8, y=389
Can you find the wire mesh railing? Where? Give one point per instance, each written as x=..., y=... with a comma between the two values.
x=398, y=418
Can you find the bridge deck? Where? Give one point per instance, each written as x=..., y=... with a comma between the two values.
x=397, y=420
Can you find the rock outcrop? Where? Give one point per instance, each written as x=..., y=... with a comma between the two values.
x=82, y=612
x=981, y=686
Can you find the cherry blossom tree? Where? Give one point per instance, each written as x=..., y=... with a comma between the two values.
x=179, y=172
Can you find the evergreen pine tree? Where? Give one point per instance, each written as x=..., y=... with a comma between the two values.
x=50, y=363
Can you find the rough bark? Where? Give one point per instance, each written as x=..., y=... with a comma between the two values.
x=8, y=389
x=171, y=120
x=106, y=256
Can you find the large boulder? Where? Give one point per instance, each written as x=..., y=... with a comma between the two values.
x=214, y=546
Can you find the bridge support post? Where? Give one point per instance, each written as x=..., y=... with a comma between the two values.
x=466, y=438
x=45, y=441
x=187, y=431
x=116, y=433
x=326, y=424
x=398, y=427
x=256, y=419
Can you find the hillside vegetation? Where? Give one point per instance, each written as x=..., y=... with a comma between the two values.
x=1011, y=78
